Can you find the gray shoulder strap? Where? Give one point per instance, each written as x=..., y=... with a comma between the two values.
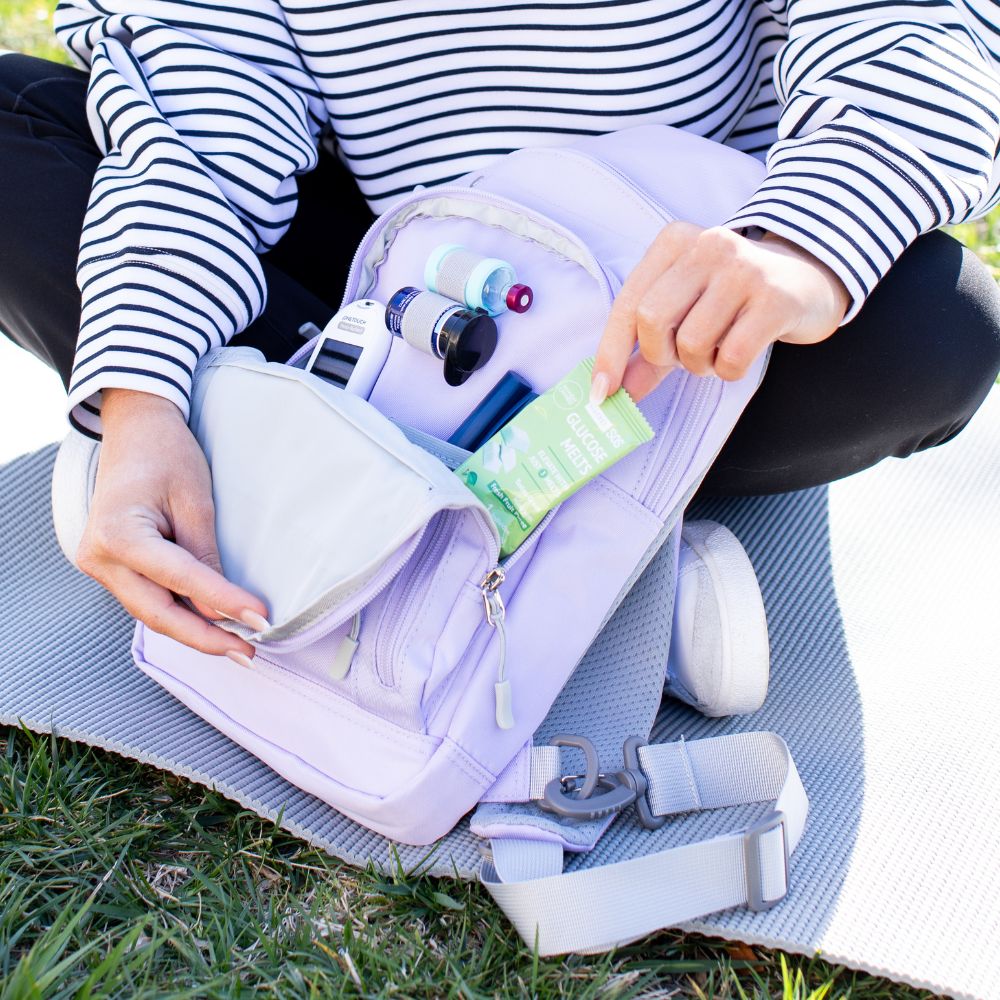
x=599, y=907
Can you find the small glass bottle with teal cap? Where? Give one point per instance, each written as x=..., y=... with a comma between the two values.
x=486, y=283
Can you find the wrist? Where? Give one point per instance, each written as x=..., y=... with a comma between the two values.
x=841, y=296
x=118, y=404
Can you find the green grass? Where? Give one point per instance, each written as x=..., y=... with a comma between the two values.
x=120, y=880
x=117, y=880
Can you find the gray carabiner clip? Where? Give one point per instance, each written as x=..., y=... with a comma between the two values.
x=616, y=790
x=565, y=797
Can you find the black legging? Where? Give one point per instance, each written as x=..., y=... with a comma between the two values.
x=906, y=374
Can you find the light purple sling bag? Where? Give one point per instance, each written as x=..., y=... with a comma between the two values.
x=394, y=618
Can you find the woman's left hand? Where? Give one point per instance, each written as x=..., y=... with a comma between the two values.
x=710, y=301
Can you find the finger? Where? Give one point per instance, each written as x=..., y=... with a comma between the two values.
x=177, y=570
x=705, y=326
x=750, y=334
x=664, y=309
x=156, y=607
x=641, y=378
x=661, y=312
x=620, y=334
x=194, y=531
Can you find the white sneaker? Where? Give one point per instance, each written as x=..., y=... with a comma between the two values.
x=719, y=654
x=72, y=487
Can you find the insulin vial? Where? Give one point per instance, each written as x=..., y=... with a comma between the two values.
x=463, y=339
x=486, y=283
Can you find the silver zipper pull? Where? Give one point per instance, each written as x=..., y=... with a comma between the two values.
x=495, y=613
x=492, y=601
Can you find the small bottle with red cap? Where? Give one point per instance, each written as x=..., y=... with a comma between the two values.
x=485, y=283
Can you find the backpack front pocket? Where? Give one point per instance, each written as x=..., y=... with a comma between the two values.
x=320, y=500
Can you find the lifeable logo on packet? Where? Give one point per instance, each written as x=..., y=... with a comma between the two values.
x=567, y=394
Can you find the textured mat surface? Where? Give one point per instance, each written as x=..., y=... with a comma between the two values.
x=882, y=597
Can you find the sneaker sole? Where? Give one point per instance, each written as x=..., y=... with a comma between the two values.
x=745, y=649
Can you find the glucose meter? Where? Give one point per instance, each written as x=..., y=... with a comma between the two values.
x=353, y=347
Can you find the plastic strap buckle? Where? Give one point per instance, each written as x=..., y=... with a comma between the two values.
x=615, y=790
x=751, y=855
x=634, y=773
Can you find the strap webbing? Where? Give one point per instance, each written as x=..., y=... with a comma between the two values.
x=546, y=764
x=524, y=860
x=599, y=907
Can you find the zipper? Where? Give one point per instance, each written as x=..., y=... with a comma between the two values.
x=344, y=656
x=389, y=633
x=590, y=263
x=495, y=615
x=529, y=543
x=706, y=390
x=388, y=642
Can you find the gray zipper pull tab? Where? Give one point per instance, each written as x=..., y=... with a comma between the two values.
x=495, y=614
x=345, y=651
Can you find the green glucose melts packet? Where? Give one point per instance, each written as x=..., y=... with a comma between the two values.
x=549, y=450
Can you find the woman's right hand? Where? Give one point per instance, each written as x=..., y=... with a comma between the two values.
x=150, y=536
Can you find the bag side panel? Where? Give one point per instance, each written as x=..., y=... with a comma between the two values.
x=373, y=772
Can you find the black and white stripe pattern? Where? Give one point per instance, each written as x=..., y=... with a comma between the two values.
x=889, y=129
x=880, y=121
x=205, y=114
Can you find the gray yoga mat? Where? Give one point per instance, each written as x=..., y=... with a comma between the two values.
x=882, y=598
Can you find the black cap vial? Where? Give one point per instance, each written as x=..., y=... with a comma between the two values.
x=464, y=339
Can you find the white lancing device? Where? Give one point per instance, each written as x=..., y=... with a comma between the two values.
x=353, y=347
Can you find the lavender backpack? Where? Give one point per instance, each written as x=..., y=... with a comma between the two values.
x=399, y=634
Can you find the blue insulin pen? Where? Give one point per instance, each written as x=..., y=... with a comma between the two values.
x=499, y=406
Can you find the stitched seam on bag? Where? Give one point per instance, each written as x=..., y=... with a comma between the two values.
x=417, y=618
x=669, y=411
x=430, y=706
x=390, y=233
x=626, y=502
x=542, y=246
x=467, y=763
x=349, y=711
x=260, y=736
x=689, y=774
x=604, y=173
x=433, y=704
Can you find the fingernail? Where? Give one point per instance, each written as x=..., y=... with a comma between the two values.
x=257, y=622
x=599, y=389
x=241, y=658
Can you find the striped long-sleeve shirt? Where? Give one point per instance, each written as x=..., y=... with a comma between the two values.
x=879, y=121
